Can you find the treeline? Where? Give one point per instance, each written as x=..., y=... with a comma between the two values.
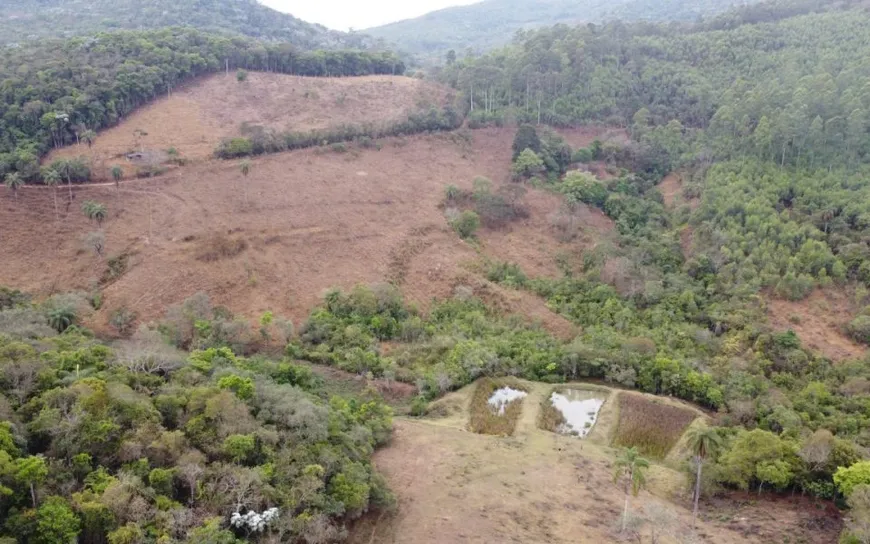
x=257, y=140
x=54, y=92
x=172, y=436
x=792, y=89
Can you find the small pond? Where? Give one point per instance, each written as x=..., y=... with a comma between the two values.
x=504, y=396
x=579, y=408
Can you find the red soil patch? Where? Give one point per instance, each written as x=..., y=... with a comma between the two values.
x=315, y=220
x=197, y=116
x=818, y=321
x=671, y=189
x=583, y=136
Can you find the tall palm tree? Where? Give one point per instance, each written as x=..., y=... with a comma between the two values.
x=52, y=179
x=703, y=442
x=631, y=467
x=14, y=182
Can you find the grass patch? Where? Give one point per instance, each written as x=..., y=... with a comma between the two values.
x=650, y=426
x=486, y=420
x=218, y=247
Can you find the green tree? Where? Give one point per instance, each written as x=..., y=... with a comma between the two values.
x=117, y=174
x=847, y=479
x=239, y=447
x=31, y=471
x=526, y=138
x=752, y=449
x=88, y=137
x=527, y=164
x=14, y=182
x=56, y=523
x=631, y=467
x=703, y=442
x=466, y=224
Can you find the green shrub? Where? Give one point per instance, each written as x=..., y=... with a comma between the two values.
x=466, y=224
x=235, y=147
x=527, y=164
x=859, y=329
x=583, y=155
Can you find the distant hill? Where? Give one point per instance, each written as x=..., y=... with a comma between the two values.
x=23, y=20
x=493, y=23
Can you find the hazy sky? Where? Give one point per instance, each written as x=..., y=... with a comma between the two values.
x=359, y=14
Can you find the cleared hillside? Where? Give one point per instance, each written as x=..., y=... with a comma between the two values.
x=493, y=23
x=195, y=118
x=25, y=20
x=538, y=486
x=298, y=224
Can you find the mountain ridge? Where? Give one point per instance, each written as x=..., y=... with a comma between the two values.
x=27, y=20
x=492, y=23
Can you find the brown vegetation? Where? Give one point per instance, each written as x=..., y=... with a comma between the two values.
x=199, y=115
x=537, y=486
x=483, y=419
x=314, y=221
x=651, y=426
x=819, y=321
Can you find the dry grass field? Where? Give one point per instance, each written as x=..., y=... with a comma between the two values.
x=314, y=219
x=197, y=116
x=819, y=320
x=536, y=487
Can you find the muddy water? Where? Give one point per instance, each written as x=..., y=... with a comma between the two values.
x=580, y=409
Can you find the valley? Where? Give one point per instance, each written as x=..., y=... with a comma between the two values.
x=497, y=274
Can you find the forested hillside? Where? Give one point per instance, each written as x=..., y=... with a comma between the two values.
x=26, y=20
x=162, y=438
x=56, y=92
x=492, y=23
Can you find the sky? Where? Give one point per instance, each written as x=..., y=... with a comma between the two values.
x=358, y=14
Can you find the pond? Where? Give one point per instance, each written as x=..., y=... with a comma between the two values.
x=504, y=396
x=579, y=408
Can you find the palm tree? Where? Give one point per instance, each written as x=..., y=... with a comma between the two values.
x=61, y=318
x=52, y=179
x=89, y=136
x=704, y=441
x=245, y=167
x=94, y=211
x=117, y=173
x=632, y=467
x=14, y=182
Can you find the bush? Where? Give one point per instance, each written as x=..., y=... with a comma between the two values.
x=527, y=164
x=241, y=76
x=466, y=224
x=859, y=329
x=235, y=147
x=583, y=154
x=584, y=187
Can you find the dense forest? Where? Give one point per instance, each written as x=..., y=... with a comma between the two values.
x=57, y=91
x=23, y=21
x=171, y=436
x=481, y=26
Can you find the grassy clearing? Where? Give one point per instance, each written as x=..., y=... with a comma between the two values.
x=551, y=418
x=485, y=420
x=652, y=427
